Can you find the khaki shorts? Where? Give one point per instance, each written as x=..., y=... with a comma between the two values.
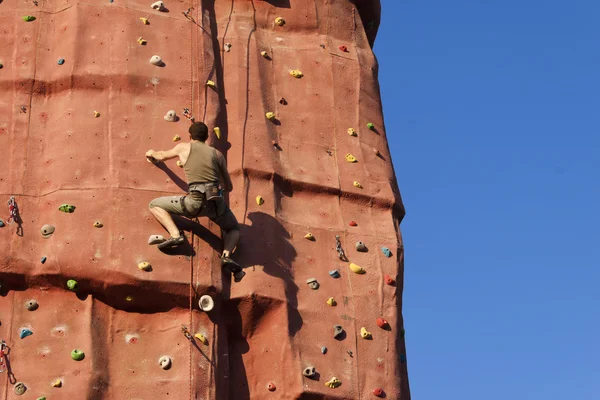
x=191, y=206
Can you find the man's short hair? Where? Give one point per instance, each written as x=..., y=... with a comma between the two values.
x=199, y=131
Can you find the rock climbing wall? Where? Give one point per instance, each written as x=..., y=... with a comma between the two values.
x=294, y=94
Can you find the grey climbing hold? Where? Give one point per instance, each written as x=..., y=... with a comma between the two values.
x=206, y=303
x=61, y=61
x=337, y=331
x=47, y=231
x=43, y=259
x=156, y=239
x=323, y=350
x=159, y=5
x=360, y=246
x=25, y=332
x=20, y=388
x=165, y=362
x=309, y=372
x=156, y=60
x=171, y=116
x=386, y=252
x=31, y=305
x=312, y=283
x=334, y=273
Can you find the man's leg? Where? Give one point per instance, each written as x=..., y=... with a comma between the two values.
x=230, y=241
x=165, y=220
x=162, y=208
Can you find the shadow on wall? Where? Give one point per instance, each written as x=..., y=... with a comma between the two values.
x=266, y=242
x=279, y=3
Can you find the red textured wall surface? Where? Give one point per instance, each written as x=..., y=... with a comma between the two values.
x=270, y=326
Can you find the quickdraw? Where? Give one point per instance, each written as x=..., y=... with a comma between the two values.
x=188, y=114
x=338, y=248
x=4, y=349
x=13, y=210
x=187, y=14
x=186, y=333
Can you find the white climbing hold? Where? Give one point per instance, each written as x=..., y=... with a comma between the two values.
x=227, y=47
x=159, y=5
x=179, y=164
x=156, y=60
x=156, y=239
x=206, y=303
x=164, y=362
x=171, y=116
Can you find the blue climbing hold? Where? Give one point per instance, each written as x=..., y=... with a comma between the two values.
x=323, y=349
x=43, y=260
x=387, y=252
x=402, y=358
x=61, y=61
x=25, y=332
x=334, y=274
x=1, y=223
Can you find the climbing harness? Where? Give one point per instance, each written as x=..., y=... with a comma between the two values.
x=338, y=248
x=13, y=211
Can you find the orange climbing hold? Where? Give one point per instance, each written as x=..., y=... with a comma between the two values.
x=382, y=323
x=343, y=48
x=271, y=387
x=389, y=280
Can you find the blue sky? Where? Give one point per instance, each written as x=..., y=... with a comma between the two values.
x=492, y=113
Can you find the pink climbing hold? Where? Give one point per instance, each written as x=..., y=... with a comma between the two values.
x=382, y=323
x=378, y=392
x=343, y=48
x=389, y=280
x=353, y=223
x=271, y=387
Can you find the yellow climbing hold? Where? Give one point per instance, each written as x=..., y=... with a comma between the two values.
x=57, y=383
x=309, y=236
x=96, y=114
x=129, y=299
x=333, y=383
x=210, y=83
x=142, y=41
x=179, y=164
x=264, y=54
x=98, y=224
x=201, y=338
x=279, y=21
x=356, y=269
x=357, y=184
x=351, y=132
x=259, y=200
x=364, y=333
x=296, y=73
x=145, y=21
x=331, y=301
x=270, y=116
x=217, y=132
x=144, y=266
x=350, y=158
x=176, y=138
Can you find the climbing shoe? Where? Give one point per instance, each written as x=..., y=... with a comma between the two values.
x=228, y=263
x=171, y=242
x=238, y=276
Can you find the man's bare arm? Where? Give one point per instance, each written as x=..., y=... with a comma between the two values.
x=167, y=154
x=225, y=178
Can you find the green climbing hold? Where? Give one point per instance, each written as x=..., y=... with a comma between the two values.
x=67, y=208
x=77, y=355
x=28, y=18
x=371, y=126
x=72, y=284
x=41, y=398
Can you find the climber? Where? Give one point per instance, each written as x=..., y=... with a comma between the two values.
x=206, y=172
